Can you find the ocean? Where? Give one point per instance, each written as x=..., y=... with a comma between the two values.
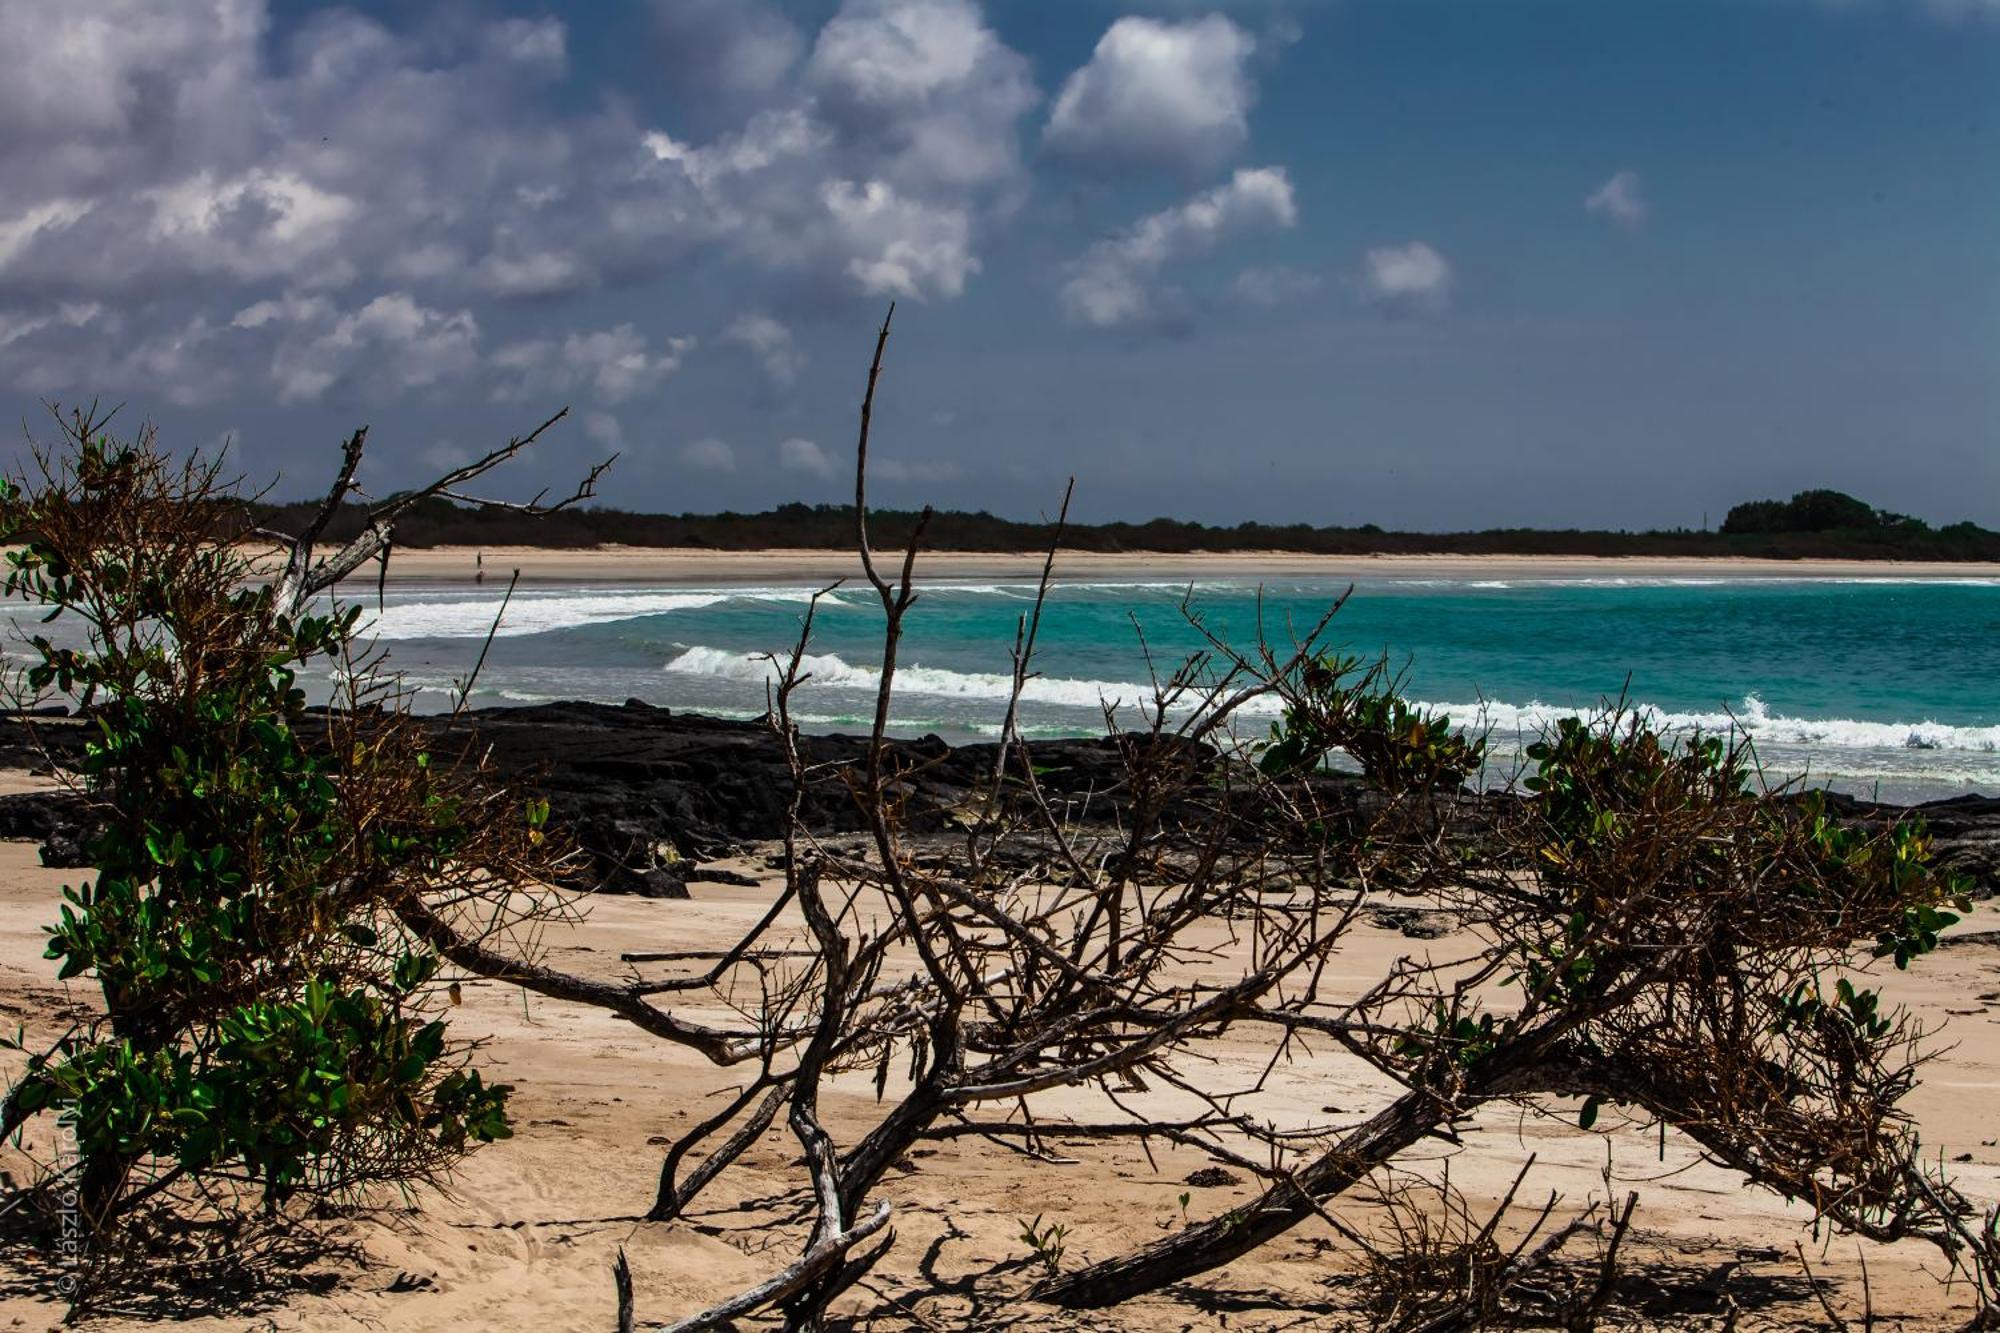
x=1882, y=687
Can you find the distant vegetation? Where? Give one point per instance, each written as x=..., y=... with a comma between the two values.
x=1833, y=511
x=1812, y=525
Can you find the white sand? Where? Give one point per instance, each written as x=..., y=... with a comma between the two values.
x=667, y=566
x=526, y=1241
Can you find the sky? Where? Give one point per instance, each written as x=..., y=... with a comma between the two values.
x=1435, y=264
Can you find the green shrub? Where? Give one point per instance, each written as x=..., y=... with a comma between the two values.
x=270, y=1023
x=1332, y=704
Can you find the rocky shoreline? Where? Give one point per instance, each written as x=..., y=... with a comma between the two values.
x=652, y=794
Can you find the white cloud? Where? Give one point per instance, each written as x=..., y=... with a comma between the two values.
x=13, y=328
x=710, y=455
x=1412, y=275
x=896, y=245
x=771, y=343
x=258, y=224
x=220, y=163
x=1621, y=199
x=290, y=308
x=542, y=273
x=393, y=340
x=1113, y=283
x=17, y=233
x=612, y=364
x=797, y=455
x=187, y=363
x=771, y=139
x=193, y=159
x=76, y=347
x=150, y=68
x=899, y=53
x=1158, y=94
x=879, y=179
x=604, y=428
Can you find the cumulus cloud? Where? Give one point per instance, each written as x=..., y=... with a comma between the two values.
x=900, y=53
x=1622, y=199
x=897, y=245
x=214, y=167
x=189, y=363
x=394, y=341
x=604, y=428
x=535, y=273
x=190, y=162
x=1158, y=94
x=797, y=455
x=710, y=455
x=74, y=315
x=1410, y=276
x=260, y=223
x=75, y=347
x=878, y=180
x=1113, y=283
x=771, y=343
x=611, y=364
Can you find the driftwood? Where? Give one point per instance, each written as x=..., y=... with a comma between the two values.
x=1666, y=938
x=305, y=575
x=1705, y=911
x=1674, y=953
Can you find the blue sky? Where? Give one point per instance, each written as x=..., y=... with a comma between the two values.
x=1424, y=263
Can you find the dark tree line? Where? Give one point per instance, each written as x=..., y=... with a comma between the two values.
x=1815, y=525
x=1830, y=511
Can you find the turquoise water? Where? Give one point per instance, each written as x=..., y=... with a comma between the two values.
x=1874, y=685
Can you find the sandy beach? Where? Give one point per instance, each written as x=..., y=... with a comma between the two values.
x=457, y=874
x=526, y=1239
x=669, y=566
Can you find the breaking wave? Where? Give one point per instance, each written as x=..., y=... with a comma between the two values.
x=540, y=613
x=1753, y=719
x=1532, y=579
x=827, y=669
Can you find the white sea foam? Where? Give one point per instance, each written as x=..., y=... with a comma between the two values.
x=1753, y=719
x=1531, y=579
x=539, y=612
x=1062, y=587
x=827, y=669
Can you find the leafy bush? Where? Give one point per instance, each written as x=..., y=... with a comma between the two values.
x=267, y=871
x=1816, y=511
x=1333, y=704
